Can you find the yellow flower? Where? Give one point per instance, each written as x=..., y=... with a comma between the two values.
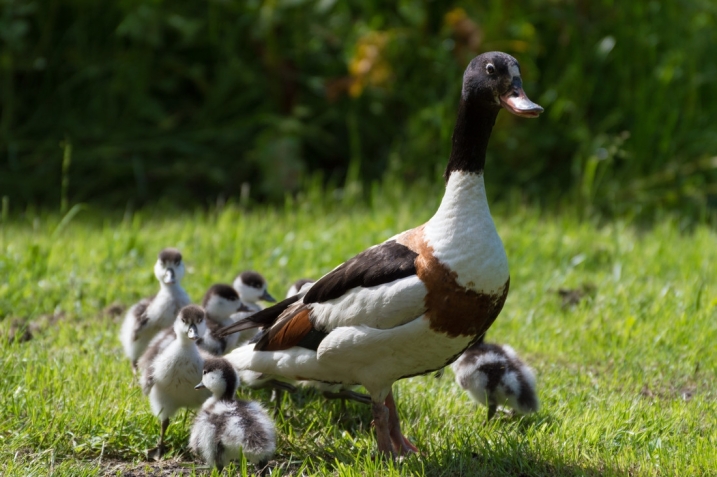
x=369, y=67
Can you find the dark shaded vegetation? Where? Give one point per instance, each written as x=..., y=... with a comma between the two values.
x=186, y=101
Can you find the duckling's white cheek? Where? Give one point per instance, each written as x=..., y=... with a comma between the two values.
x=159, y=270
x=213, y=381
x=202, y=328
x=250, y=294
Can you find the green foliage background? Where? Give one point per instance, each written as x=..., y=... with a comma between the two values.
x=185, y=101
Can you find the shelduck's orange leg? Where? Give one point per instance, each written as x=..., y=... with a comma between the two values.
x=380, y=423
x=401, y=445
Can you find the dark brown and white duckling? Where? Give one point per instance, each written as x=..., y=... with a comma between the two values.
x=227, y=427
x=252, y=288
x=298, y=286
x=494, y=375
x=220, y=303
x=151, y=315
x=171, y=367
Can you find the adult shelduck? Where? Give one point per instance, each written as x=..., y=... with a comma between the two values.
x=413, y=303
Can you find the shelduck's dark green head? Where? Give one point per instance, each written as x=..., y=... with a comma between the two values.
x=493, y=79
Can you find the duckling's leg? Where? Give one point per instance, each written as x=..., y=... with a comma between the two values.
x=159, y=451
x=492, y=407
x=262, y=467
x=277, y=395
x=401, y=444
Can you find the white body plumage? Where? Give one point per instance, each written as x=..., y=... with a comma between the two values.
x=171, y=368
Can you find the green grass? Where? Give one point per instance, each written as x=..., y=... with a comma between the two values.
x=627, y=376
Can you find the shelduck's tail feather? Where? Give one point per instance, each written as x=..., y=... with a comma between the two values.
x=263, y=318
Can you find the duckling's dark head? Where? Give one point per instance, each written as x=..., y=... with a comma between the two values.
x=222, y=300
x=220, y=378
x=191, y=322
x=252, y=287
x=169, y=268
x=492, y=80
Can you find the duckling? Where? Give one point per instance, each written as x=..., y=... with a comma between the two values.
x=252, y=287
x=171, y=366
x=154, y=314
x=299, y=285
x=226, y=427
x=494, y=375
x=220, y=302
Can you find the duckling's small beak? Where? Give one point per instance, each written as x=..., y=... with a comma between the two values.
x=267, y=297
x=200, y=386
x=193, y=333
x=518, y=103
x=243, y=307
x=169, y=277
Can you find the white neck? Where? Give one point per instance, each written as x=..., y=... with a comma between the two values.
x=464, y=198
x=463, y=235
x=170, y=287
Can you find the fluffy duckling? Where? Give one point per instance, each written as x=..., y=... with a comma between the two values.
x=252, y=287
x=171, y=367
x=298, y=286
x=151, y=315
x=220, y=302
x=495, y=376
x=226, y=427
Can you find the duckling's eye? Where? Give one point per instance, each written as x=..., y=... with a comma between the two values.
x=200, y=320
x=489, y=68
x=204, y=372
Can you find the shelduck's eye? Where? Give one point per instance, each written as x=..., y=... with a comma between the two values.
x=489, y=68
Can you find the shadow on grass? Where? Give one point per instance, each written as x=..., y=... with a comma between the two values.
x=516, y=462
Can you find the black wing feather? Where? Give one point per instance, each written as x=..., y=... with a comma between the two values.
x=261, y=318
x=381, y=264
x=378, y=265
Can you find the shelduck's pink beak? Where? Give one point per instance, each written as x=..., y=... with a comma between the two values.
x=518, y=103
